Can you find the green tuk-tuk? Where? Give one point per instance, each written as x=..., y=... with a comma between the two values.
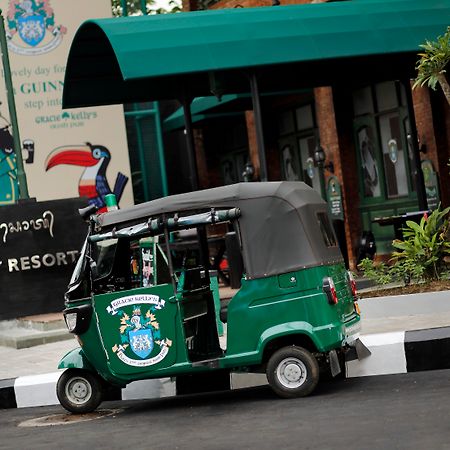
x=139, y=311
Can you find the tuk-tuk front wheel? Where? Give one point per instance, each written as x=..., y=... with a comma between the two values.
x=292, y=372
x=79, y=391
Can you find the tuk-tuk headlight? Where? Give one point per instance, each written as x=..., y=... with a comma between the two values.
x=71, y=321
x=78, y=318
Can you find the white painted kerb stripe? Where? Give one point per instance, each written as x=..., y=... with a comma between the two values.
x=36, y=390
x=388, y=356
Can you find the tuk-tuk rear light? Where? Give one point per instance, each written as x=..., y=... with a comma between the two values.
x=71, y=321
x=330, y=290
x=352, y=283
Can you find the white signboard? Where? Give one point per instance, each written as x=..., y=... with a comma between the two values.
x=66, y=152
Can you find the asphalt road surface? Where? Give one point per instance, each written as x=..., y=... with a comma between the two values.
x=410, y=411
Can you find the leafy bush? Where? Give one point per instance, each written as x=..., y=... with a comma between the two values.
x=420, y=256
x=378, y=273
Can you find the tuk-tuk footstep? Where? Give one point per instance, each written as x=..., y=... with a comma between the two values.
x=212, y=363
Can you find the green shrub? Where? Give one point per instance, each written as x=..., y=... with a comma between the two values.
x=419, y=257
x=379, y=273
x=421, y=254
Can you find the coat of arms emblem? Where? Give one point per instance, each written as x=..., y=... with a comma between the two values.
x=140, y=332
x=31, y=27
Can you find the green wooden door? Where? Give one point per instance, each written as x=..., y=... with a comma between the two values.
x=384, y=155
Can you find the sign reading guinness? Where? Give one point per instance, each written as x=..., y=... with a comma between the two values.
x=39, y=246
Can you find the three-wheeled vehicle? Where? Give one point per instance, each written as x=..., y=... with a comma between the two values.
x=137, y=316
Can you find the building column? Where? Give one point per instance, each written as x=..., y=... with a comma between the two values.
x=252, y=142
x=345, y=168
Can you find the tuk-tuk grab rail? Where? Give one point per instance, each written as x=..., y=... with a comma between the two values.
x=157, y=226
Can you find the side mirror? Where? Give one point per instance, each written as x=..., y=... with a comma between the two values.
x=87, y=212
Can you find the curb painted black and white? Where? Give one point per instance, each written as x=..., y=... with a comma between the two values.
x=402, y=352
x=391, y=353
x=40, y=390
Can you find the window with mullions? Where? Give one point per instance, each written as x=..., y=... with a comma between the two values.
x=297, y=141
x=381, y=134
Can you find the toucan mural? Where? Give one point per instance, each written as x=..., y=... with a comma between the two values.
x=93, y=182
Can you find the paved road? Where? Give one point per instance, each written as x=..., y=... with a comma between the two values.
x=410, y=411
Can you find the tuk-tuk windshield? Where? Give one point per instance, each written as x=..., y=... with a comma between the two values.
x=121, y=263
x=79, y=284
x=80, y=266
x=103, y=253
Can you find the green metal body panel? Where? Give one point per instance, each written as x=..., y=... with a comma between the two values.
x=161, y=335
x=268, y=308
x=76, y=359
x=103, y=345
x=263, y=310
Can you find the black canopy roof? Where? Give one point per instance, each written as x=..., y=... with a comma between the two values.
x=279, y=224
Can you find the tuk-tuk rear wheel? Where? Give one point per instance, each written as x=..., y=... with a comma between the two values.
x=292, y=372
x=79, y=391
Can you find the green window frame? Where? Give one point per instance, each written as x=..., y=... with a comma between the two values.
x=383, y=150
x=297, y=139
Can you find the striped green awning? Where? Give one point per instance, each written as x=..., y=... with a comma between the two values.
x=168, y=56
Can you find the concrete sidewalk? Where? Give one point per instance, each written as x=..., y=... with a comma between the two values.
x=404, y=333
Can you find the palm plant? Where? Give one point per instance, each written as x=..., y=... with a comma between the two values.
x=432, y=63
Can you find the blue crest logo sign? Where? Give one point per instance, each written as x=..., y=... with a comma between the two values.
x=141, y=342
x=31, y=27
